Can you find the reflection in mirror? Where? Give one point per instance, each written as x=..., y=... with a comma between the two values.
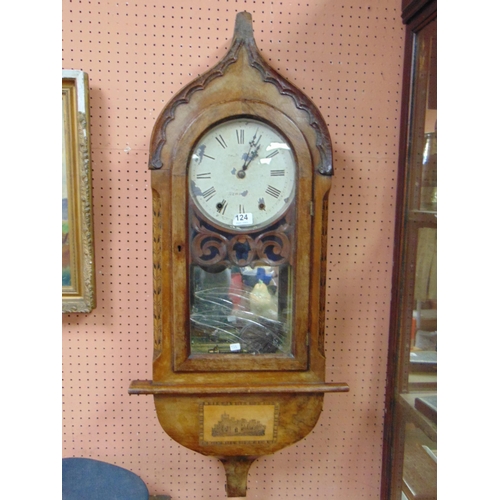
x=424, y=127
x=428, y=191
x=423, y=355
x=244, y=310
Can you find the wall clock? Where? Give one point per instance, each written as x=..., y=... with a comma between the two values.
x=241, y=166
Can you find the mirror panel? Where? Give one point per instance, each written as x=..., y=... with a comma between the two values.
x=245, y=310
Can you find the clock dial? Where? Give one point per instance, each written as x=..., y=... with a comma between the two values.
x=242, y=174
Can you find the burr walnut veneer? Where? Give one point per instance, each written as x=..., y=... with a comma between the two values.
x=241, y=166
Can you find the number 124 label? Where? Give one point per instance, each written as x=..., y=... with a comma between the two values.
x=242, y=219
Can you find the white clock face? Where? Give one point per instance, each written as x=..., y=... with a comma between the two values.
x=242, y=174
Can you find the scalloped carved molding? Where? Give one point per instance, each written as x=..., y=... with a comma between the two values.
x=184, y=96
x=243, y=37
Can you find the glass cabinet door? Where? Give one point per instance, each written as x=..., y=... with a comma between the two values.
x=410, y=459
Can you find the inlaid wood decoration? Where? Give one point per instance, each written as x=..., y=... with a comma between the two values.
x=241, y=166
x=238, y=423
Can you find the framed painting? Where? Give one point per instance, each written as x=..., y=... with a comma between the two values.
x=78, y=273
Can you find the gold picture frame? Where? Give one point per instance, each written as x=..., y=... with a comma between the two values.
x=78, y=273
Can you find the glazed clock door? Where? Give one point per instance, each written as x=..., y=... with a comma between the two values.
x=245, y=180
x=242, y=176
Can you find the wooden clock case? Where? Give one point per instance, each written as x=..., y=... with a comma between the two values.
x=281, y=392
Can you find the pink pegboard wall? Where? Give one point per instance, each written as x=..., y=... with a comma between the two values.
x=346, y=56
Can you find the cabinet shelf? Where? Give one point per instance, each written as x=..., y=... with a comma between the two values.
x=412, y=414
x=419, y=473
x=422, y=381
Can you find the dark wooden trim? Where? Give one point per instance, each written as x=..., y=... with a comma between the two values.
x=413, y=8
x=394, y=340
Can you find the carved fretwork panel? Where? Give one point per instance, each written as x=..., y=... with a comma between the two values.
x=217, y=249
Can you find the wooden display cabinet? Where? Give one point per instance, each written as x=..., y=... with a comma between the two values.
x=410, y=433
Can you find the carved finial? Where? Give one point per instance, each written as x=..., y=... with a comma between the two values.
x=243, y=29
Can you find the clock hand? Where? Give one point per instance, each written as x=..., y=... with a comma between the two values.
x=254, y=143
x=250, y=156
x=241, y=174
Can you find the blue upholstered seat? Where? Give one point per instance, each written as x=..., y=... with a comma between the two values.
x=88, y=479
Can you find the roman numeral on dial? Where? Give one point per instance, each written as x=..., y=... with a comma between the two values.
x=240, y=136
x=204, y=175
x=221, y=207
x=273, y=191
x=277, y=173
x=208, y=194
x=221, y=141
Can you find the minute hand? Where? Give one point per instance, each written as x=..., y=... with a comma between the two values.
x=250, y=156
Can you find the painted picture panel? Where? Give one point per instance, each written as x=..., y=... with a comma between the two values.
x=78, y=280
x=66, y=162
